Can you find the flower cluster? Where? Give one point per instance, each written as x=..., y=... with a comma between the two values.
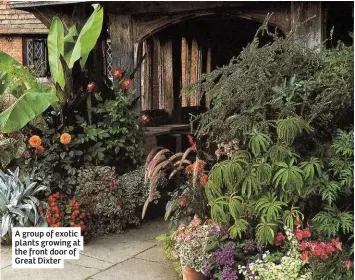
x=113, y=184
x=227, y=149
x=319, y=249
x=302, y=234
x=36, y=142
x=190, y=243
x=279, y=239
x=77, y=216
x=54, y=215
x=119, y=73
x=200, y=166
x=64, y=212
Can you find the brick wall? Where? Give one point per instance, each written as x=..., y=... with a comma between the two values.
x=12, y=45
x=19, y=22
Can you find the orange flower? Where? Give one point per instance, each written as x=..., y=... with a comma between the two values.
x=126, y=83
x=305, y=256
x=91, y=86
x=65, y=138
x=204, y=180
x=40, y=150
x=117, y=73
x=348, y=264
x=144, y=119
x=35, y=141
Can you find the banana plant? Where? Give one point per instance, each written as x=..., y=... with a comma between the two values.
x=65, y=47
x=29, y=98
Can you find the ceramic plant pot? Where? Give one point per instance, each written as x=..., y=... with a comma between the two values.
x=191, y=274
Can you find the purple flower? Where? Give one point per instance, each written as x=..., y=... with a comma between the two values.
x=207, y=269
x=250, y=246
x=225, y=255
x=220, y=231
x=228, y=274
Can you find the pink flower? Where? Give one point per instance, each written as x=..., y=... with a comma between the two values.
x=196, y=221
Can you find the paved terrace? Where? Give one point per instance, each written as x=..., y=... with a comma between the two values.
x=132, y=255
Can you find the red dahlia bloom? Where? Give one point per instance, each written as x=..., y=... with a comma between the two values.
x=279, y=239
x=126, y=83
x=117, y=73
x=91, y=86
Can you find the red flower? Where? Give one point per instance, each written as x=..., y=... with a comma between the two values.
x=40, y=208
x=126, y=83
x=40, y=150
x=306, y=233
x=279, y=239
x=182, y=201
x=117, y=73
x=192, y=142
x=91, y=86
x=26, y=154
x=348, y=264
x=305, y=256
x=144, y=119
x=298, y=223
x=336, y=243
x=204, y=180
x=299, y=234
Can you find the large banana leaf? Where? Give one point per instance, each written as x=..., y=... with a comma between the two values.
x=87, y=37
x=55, y=50
x=26, y=108
x=14, y=69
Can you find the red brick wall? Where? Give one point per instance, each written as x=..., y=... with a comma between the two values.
x=12, y=45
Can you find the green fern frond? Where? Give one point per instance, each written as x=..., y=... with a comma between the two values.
x=264, y=232
x=250, y=183
x=289, y=175
x=259, y=142
x=269, y=207
x=343, y=143
x=279, y=152
x=291, y=215
x=264, y=173
x=329, y=191
x=331, y=221
x=289, y=128
x=310, y=166
x=240, y=226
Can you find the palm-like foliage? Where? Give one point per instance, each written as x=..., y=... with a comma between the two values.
x=265, y=232
x=18, y=202
x=289, y=128
x=269, y=207
x=288, y=175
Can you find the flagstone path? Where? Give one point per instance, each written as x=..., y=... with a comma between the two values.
x=132, y=255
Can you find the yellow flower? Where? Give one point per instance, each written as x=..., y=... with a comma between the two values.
x=65, y=138
x=35, y=141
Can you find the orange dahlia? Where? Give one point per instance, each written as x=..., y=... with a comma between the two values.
x=35, y=141
x=65, y=138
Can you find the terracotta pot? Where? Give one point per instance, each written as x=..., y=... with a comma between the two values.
x=191, y=274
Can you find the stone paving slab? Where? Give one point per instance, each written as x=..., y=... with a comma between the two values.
x=132, y=255
x=138, y=269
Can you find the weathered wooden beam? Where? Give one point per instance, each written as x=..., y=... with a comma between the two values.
x=184, y=55
x=121, y=42
x=307, y=23
x=167, y=75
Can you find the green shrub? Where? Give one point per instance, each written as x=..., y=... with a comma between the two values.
x=111, y=201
